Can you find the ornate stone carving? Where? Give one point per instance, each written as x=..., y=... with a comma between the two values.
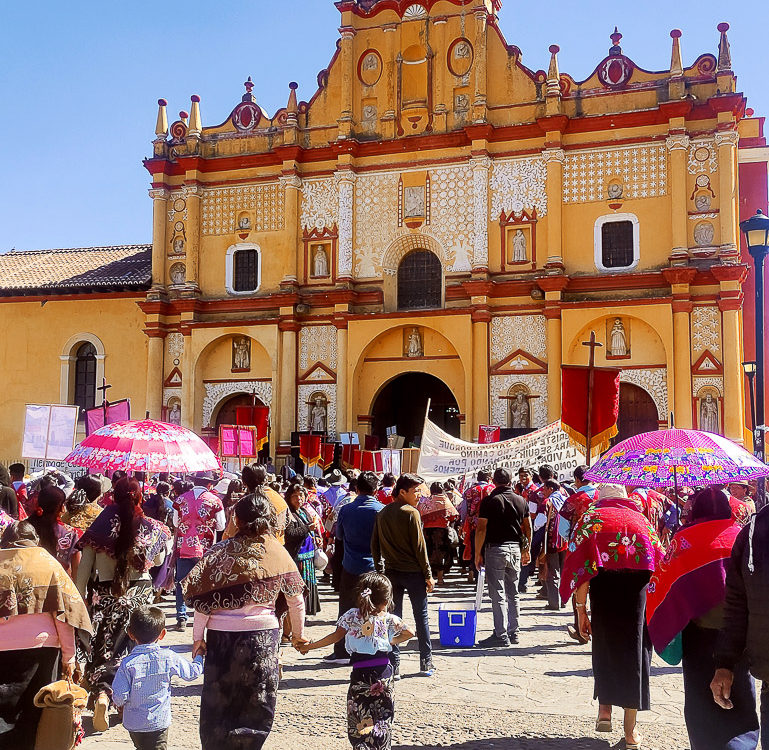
x=222, y=205
x=678, y=142
x=554, y=154
x=730, y=137
x=175, y=345
x=451, y=203
x=706, y=330
x=702, y=156
x=320, y=203
x=480, y=166
x=171, y=393
x=217, y=392
x=317, y=344
x=517, y=185
x=655, y=382
x=512, y=332
x=641, y=169
x=704, y=233
x=500, y=385
x=305, y=394
x=376, y=220
x=698, y=383
x=346, y=186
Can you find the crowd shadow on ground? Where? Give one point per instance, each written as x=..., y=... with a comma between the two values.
x=522, y=743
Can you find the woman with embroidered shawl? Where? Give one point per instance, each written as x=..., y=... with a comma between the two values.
x=119, y=548
x=611, y=555
x=436, y=512
x=239, y=590
x=302, y=538
x=685, y=612
x=40, y=610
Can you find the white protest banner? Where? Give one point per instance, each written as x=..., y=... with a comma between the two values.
x=49, y=431
x=445, y=456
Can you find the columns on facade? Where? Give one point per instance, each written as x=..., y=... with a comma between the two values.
x=730, y=299
x=678, y=145
x=292, y=207
x=390, y=78
x=553, y=287
x=679, y=280
x=481, y=317
x=343, y=417
x=193, y=194
x=481, y=165
x=154, y=401
x=285, y=395
x=188, y=383
x=345, y=179
x=554, y=159
x=347, y=67
x=159, y=223
x=726, y=143
x=479, y=98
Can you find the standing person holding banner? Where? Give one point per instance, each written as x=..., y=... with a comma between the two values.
x=504, y=527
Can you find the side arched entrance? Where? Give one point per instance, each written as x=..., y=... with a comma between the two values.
x=402, y=402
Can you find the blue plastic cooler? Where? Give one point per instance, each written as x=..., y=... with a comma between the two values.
x=457, y=626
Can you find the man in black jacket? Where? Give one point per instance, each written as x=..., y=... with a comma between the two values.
x=746, y=616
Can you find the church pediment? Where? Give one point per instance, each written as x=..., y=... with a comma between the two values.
x=174, y=379
x=519, y=362
x=318, y=373
x=707, y=364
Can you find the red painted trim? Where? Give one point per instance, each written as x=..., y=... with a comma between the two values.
x=238, y=380
x=668, y=300
x=72, y=297
x=410, y=359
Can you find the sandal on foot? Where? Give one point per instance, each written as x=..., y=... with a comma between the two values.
x=603, y=725
x=575, y=634
x=634, y=745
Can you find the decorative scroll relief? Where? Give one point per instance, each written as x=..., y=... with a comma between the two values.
x=500, y=385
x=304, y=394
x=642, y=171
x=526, y=332
x=317, y=344
x=480, y=166
x=320, y=203
x=706, y=330
x=451, y=191
x=220, y=207
x=345, y=182
x=171, y=393
x=217, y=392
x=655, y=382
x=376, y=221
x=517, y=185
x=175, y=345
x=698, y=383
x=702, y=156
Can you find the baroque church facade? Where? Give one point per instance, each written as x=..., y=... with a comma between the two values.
x=436, y=219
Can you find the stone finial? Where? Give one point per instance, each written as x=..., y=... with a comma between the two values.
x=724, y=53
x=292, y=106
x=196, y=124
x=615, y=37
x=184, y=116
x=553, y=74
x=161, y=126
x=676, y=65
x=248, y=96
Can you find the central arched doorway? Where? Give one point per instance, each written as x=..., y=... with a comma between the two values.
x=637, y=412
x=402, y=403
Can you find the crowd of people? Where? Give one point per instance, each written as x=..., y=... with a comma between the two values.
x=83, y=564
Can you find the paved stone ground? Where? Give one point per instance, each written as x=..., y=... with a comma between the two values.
x=532, y=696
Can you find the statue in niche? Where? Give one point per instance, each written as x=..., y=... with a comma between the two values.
x=178, y=274
x=519, y=410
x=702, y=202
x=614, y=190
x=320, y=261
x=519, y=246
x=318, y=416
x=618, y=339
x=241, y=353
x=709, y=414
x=462, y=51
x=413, y=202
x=244, y=223
x=370, y=62
x=178, y=245
x=414, y=348
x=175, y=415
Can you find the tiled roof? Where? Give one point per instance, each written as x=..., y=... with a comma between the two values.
x=76, y=270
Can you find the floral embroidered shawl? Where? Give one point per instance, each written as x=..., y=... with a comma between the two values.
x=611, y=535
x=689, y=581
x=32, y=582
x=151, y=538
x=240, y=571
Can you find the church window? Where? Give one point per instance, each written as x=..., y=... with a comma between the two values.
x=85, y=376
x=243, y=271
x=420, y=281
x=616, y=242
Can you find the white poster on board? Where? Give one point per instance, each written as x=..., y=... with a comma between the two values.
x=49, y=431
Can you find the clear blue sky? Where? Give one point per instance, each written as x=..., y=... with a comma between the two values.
x=79, y=82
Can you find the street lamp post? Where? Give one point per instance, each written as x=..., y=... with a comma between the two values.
x=750, y=371
x=756, y=230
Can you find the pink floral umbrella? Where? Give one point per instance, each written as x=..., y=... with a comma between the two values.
x=671, y=458
x=147, y=446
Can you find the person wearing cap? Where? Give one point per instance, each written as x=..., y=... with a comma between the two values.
x=198, y=515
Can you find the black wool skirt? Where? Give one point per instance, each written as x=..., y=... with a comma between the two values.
x=622, y=649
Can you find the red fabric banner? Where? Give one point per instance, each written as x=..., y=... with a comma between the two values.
x=327, y=455
x=488, y=433
x=348, y=454
x=309, y=449
x=256, y=416
x=120, y=411
x=371, y=443
x=605, y=404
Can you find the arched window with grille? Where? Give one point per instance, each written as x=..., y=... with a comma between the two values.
x=85, y=376
x=420, y=281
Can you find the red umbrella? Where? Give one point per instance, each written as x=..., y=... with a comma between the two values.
x=146, y=446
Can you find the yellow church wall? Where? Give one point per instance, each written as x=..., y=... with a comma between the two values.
x=39, y=335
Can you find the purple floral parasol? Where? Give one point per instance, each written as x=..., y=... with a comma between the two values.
x=669, y=458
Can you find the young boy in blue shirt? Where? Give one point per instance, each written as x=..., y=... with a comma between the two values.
x=142, y=685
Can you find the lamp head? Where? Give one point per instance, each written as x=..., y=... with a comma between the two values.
x=756, y=230
x=749, y=368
